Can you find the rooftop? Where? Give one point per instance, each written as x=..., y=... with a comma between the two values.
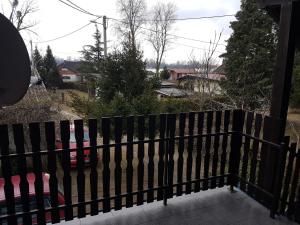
x=184, y=70
x=71, y=65
x=211, y=76
x=174, y=92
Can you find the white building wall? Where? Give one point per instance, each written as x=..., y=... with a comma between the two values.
x=71, y=78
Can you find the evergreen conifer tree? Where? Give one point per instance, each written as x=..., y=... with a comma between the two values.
x=51, y=75
x=249, y=61
x=38, y=61
x=124, y=73
x=92, y=55
x=165, y=75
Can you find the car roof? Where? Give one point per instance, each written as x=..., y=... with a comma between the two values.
x=16, y=184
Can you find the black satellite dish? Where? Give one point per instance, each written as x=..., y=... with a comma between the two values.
x=15, y=68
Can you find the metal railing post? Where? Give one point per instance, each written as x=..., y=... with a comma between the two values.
x=166, y=143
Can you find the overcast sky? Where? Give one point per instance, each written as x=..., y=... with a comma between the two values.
x=56, y=19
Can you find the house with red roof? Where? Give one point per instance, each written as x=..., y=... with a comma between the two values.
x=178, y=73
x=69, y=71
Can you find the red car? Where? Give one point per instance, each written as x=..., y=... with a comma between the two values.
x=73, y=154
x=32, y=202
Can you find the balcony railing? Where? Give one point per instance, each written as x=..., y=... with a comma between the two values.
x=133, y=160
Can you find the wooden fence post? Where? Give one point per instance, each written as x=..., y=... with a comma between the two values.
x=236, y=144
x=280, y=167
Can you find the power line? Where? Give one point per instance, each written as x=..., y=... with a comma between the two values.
x=186, y=38
x=78, y=8
x=192, y=39
x=174, y=35
x=203, y=17
x=66, y=35
x=190, y=46
x=72, y=6
x=182, y=19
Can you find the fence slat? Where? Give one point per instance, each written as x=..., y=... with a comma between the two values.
x=288, y=176
x=295, y=207
x=291, y=203
x=190, y=147
x=151, y=153
x=141, y=153
x=209, y=120
x=106, y=161
x=161, y=153
x=35, y=138
x=118, y=160
x=249, y=122
x=224, y=147
x=199, y=150
x=80, y=167
x=171, y=126
x=7, y=173
x=66, y=164
x=236, y=143
x=255, y=147
x=18, y=132
x=182, y=119
x=50, y=139
x=263, y=158
x=279, y=173
x=129, y=157
x=216, y=149
x=94, y=162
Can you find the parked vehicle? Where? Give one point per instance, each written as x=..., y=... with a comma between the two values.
x=73, y=145
x=32, y=199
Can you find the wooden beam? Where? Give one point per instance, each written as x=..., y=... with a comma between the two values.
x=281, y=86
x=284, y=65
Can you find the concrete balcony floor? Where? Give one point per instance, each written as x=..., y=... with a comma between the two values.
x=212, y=207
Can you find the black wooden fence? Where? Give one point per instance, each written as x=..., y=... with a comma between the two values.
x=148, y=158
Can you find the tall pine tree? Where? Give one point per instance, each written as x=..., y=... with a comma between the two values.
x=249, y=61
x=92, y=55
x=124, y=73
x=51, y=75
x=38, y=61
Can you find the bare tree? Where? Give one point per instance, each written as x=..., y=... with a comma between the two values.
x=19, y=12
x=133, y=17
x=162, y=19
x=206, y=89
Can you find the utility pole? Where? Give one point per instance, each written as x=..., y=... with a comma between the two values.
x=104, y=36
x=32, y=58
x=104, y=24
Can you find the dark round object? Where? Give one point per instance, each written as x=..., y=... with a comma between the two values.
x=15, y=68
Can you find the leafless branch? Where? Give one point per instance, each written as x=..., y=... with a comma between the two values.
x=163, y=15
x=132, y=13
x=19, y=13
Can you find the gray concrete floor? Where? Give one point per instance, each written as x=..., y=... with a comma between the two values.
x=213, y=207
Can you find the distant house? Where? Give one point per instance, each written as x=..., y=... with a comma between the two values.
x=178, y=73
x=168, y=84
x=168, y=89
x=172, y=93
x=69, y=71
x=201, y=83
